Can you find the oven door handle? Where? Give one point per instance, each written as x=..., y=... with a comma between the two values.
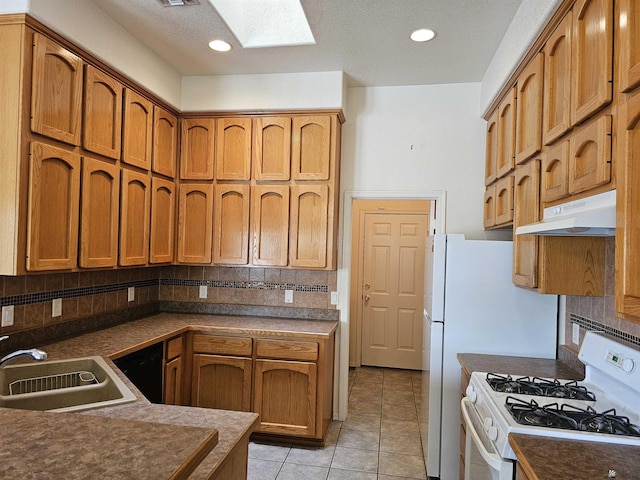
x=494, y=460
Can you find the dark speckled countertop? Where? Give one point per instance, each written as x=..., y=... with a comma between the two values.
x=544, y=458
x=135, y=440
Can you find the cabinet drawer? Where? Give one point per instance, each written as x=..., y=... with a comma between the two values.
x=287, y=350
x=174, y=348
x=222, y=345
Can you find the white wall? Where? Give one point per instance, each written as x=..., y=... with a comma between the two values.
x=418, y=138
x=88, y=26
x=284, y=91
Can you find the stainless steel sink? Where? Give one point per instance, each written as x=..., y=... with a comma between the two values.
x=62, y=386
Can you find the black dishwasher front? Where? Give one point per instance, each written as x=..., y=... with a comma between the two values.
x=144, y=369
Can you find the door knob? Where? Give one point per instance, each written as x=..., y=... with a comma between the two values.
x=367, y=298
x=367, y=286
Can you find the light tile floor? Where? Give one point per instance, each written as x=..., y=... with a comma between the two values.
x=381, y=439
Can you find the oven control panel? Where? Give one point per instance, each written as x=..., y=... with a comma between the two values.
x=626, y=364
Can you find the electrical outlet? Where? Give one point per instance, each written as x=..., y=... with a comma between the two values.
x=56, y=307
x=7, y=315
x=334, y=298
x=203, y=291
x=131, y=294
x=288, y=296
x=575, y=333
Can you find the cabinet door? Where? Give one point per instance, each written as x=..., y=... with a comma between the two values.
x=506, y=134
x=285, y=397
x=529, y=110
x=195, y=223
x=102, y=118
x=222, y=382
x=627, y=284
x=196, y=149
x=489, y=217
x=629, y=44
x=54, y=200
x=163, y=207
x=138, y=127
x=592, y=57
x=590, y=155
x=56, y=91
x=272, y=148
x=99, y=214
x=135, y=208
x=173, y=382
x=557, y=81
x=165, y=142
x=309, y=226
x=311, y=148
x=504, y=200
x=492, y=149
x=231, y=224
x=233, y=149
x=555, y=172
x=270, y=214
x=526, y=204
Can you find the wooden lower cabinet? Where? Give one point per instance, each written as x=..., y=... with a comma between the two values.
x=284, y=395
x=173, y=371
x=222, y=382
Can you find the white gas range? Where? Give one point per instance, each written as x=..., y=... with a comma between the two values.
x=604, y=407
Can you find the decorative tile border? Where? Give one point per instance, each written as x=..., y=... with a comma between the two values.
x=631, y=340
x=41, y=297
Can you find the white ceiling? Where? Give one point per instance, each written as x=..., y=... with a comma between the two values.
x=366, y=39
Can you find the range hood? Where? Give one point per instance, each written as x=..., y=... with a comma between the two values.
x=590, y=216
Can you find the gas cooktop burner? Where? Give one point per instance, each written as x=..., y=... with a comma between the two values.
x=539, y=386
x=570, y=417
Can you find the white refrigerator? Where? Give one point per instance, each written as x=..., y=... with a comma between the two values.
x=472, y=306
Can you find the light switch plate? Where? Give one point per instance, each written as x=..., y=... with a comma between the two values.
x=575, y=333
x=334, y=298
x=131, y=294
x=288, y=296
x=56, y=307
x=7, y=315
x=203, y=291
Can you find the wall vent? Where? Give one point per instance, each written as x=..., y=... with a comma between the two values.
x=178, y=3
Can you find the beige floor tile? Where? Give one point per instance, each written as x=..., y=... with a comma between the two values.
x=359, y=439
x=291, y=471
x=365, y=408
x=263, y=451
x=368, y=423
x=399, y=412
x=263, y=469
x=399, y=427
x=355, y=459
x=405, y=444
x=336, y=474
x=411, y=466
x=319, y=457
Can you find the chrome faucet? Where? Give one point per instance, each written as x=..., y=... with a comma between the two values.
x=34, y=353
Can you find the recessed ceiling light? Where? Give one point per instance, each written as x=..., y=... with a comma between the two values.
x=423, y=35
x=219, y=46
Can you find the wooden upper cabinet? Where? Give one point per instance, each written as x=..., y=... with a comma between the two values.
x=54, y=199
x=233, y=149
x=504, y=200
x=592, y=57
x=163, y=225
x=505, y=158
x=529, y=110
x=165, y=142
x=231, y=224
x=627, y=284
x=135, y=210
x=557, y=81
x=311, y=148
x=629, y=44
x=590, y=155
x=270, y=233
x=309, y=226
x=138, y=127
x=56, y=98
x=491, y=149
x=99, y=213
x=195, y=223
x=196, y=149
x=489, y=216
x=272, y=148
x=102, y=116
x=554, y=181
x=526, y=204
